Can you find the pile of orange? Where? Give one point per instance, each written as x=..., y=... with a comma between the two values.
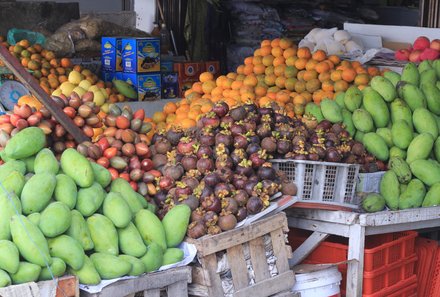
x=49, y=70
x=277, y=72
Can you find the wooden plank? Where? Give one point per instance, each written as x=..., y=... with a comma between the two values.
x=356, y=244
x=307, y=247
x=209, y=263
x=31, y=84
x=152, y=293
x=277, y=284
x=178, y=289
x=279, y=250
x=342, y=217
x=287, y=294
x=322, y=226
x=237, y=263
x=222, y=241
x=402, y=227
x=200, y=276
x=258, y=259
x=413, y=215
x=198, y=290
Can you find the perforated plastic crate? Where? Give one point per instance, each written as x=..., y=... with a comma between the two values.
x=322, y=182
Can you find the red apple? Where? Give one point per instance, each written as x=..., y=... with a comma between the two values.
x=402, y=55
x=421, y=43
x=414, y=56
x=435, y=44
x=429, y=54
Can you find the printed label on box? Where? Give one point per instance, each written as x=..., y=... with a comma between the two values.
x=111, y=58
x=140, y=55
x=108, y=76
x=148, y=86
x=170, y=85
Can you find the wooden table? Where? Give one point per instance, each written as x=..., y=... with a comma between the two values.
x=355, y=227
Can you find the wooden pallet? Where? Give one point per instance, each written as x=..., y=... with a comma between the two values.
x=68, y=286
x=206, y=280
x=174, y=281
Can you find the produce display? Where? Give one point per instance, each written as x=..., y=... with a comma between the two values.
x=422, y=49
x=397, y=120
x=71, y=216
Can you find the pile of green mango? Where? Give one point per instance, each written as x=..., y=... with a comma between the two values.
x=397, y=118
x=70, y=216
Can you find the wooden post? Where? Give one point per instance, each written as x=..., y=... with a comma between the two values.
x=30, y=82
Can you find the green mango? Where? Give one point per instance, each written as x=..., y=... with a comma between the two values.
x=424, y=121
x=428, y=171
x=376, y=146
x=90, y=199
x=339, y=99
x=9, y=206
x=66, y=191
x=27, y=272
x=130, y=241
x=55, y=219
x=150, y=228
x=362, y=121
x=314, y=109
x=410, y=74
x=353, y=98
x=373, y=203
x=385, y=133
x=425, y=65
x=420, y=147
x=117, y=210
x=397, y=152
x=141, y=200
x=29, y=162
x=87, y=275
x=137, y=266
x=80, y=231
x=77, y=167
x=34, y=218
x=413, y=195
x=102, y=175
x=172, y=255
x=9, y=256
x=348, y=122
x=384, y=87
x=331, y=111
x=11, y=166
x=30, y=241
x=359, y=136
x=401, y=111
x=67, y=249
x=437, y=149
x=376, y=107
x=5, y=279
x=402, y=134
x=37, y=192
x=122, y=187
x=414, y=97
x=104, y=234
x=26, y=143
x=57, y=269
x=14, y=182
x=401, y=169
x=175, y=224
x=390, y=189
x=432, y=198
x=110, y=266
x=45, y=161
x=153, y=259
x=432, y=94
x=436, y=66
x=428, y=77
x=392, y=76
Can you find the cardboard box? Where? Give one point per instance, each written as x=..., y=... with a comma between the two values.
x=166, y=65
x=141, y=55
x=189, y=71
x=170, y=85
x=108, y=75
x=148, y=86
x=111, y=59
x=213, y=67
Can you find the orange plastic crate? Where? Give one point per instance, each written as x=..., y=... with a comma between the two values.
x=434, y=289
x=404, y=288
x=426, y=251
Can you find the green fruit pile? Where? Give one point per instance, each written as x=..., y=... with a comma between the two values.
x=397, y=118
x=71, y=216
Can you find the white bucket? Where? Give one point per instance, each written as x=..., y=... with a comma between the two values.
x=321, y=283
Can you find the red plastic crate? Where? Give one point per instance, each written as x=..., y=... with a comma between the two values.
x=426, y=251
x=434, y=288
x=405, y=288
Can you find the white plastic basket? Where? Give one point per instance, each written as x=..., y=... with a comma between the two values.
x=322, y=182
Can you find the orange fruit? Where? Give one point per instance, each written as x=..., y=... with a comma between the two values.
x=362, y=79
x=300, y=86
x=231, y=75
x=206, y=107
x=264, y=101
x=355, y=64
x=300, y=64
x=240, y=69
x=373, y=71
x=257, y=53
x=324, y=76
x=336, y=75
x=268, y=60
x=341, y=85
x=269, y=70
x=334, y=59
x=208, y=86
x=206, y=76
x=197, y=87
x=327, y=86
x=311, y=64
x=217, y=91
x=236, y=85
x=159, y=116
x=313, y=85
x=277, y=51
x=259, y=69
x=300, y=75
x=260, y=91
x=247, y=96
x=241, y=77
x=310, y=74
x=291, y=61
x=289, y=52
x=250, y=80
x=279, y=70
x=270, y=79
x=319, y=56
x=227, y=83
x=289, y=84
x=265, y=43
x=275, y=42
x=290, y=71
x=349, y=74
x=188, y=123
x=265, y=50
x=304, y=52
x=280, y=82
x=279, y=61
x=257, y=60
x=299, y=100
x=66, y=63
x=283, y=96
x=307, y=96
x=248, y=69
x=285, y=43
x=322, y=67
x=248, y=60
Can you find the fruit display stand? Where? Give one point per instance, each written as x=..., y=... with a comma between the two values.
x=150, y=107
x=67, y=286
x=355, y=227
x=207, y=281
x=174, y=281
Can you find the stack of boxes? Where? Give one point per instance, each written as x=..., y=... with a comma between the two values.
x=138, y=62
x=134, y=60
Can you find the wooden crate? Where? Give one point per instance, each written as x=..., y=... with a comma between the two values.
x=67, y=287
x=174, y=281
x=206, y=280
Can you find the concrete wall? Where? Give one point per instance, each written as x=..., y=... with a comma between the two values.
x=145, y=14
x=93, y=5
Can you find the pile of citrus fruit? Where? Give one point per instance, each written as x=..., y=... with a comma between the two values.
x=278, y=72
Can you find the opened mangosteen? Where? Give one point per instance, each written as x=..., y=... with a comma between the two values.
x=210, y=218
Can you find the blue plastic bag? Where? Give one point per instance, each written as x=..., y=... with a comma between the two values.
x=15, y=35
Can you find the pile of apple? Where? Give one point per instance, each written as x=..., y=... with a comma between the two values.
x=422, y=49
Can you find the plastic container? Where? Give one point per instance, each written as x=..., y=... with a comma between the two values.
x=322, y=182
x=426, y=251
x=404, y=288
x=434, y=288
x=322, y=283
